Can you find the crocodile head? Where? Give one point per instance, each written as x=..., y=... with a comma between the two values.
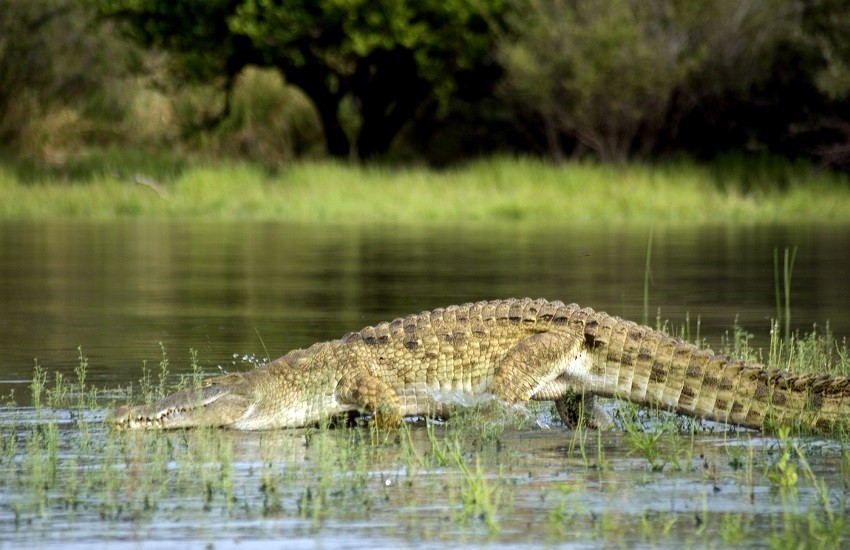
x=219, y=402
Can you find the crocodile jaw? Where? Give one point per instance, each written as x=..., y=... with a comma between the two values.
x=212, y=406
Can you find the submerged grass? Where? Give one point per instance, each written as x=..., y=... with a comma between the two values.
x=486, y=474
x=493, y=189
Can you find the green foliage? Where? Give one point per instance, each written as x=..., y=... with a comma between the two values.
x=54, y=59
x=610, y=76
x=628, y=68
x=619, y=79
x=281, y=79
x=827, y=26
x=196, y=32
x=389, y=57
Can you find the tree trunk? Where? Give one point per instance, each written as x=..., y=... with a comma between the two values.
x=313, y=79
x=335, y=139
x=389, y=90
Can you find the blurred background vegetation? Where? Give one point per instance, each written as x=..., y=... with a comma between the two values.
x=428, y=81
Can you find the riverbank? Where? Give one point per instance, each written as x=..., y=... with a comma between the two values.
x=493, y=189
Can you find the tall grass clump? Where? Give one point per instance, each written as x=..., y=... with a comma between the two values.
x=822, y=522
x=480, y=498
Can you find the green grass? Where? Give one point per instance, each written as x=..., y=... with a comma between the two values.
x=116, y=184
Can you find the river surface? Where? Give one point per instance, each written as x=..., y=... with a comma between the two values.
x=122, y=293
x=119, y=289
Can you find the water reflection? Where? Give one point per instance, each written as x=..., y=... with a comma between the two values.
x=118, y=288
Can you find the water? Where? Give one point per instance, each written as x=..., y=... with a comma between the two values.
x=237, y=290
x=117, y=289
x=303, y=489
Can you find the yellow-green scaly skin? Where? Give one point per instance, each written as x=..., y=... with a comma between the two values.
x=512, y=350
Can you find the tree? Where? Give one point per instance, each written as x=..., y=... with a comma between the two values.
x=777, y=79
x=592, y=70
x=197, y=35
x=617, y=74
x=385, y=59
x=826, y=26
x=51, y=55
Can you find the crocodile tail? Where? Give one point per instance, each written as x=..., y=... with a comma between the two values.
x=647, y=367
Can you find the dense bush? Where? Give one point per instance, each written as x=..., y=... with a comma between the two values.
x=272, y=80
x=57, y=66
x=635, y=77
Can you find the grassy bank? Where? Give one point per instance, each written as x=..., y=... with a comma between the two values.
x=731, y=190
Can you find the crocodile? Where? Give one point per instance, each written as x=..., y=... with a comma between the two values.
x=513, y=350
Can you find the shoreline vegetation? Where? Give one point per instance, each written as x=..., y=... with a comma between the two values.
x=126, y=184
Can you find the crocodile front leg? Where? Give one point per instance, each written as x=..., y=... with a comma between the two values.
x=365, y=392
